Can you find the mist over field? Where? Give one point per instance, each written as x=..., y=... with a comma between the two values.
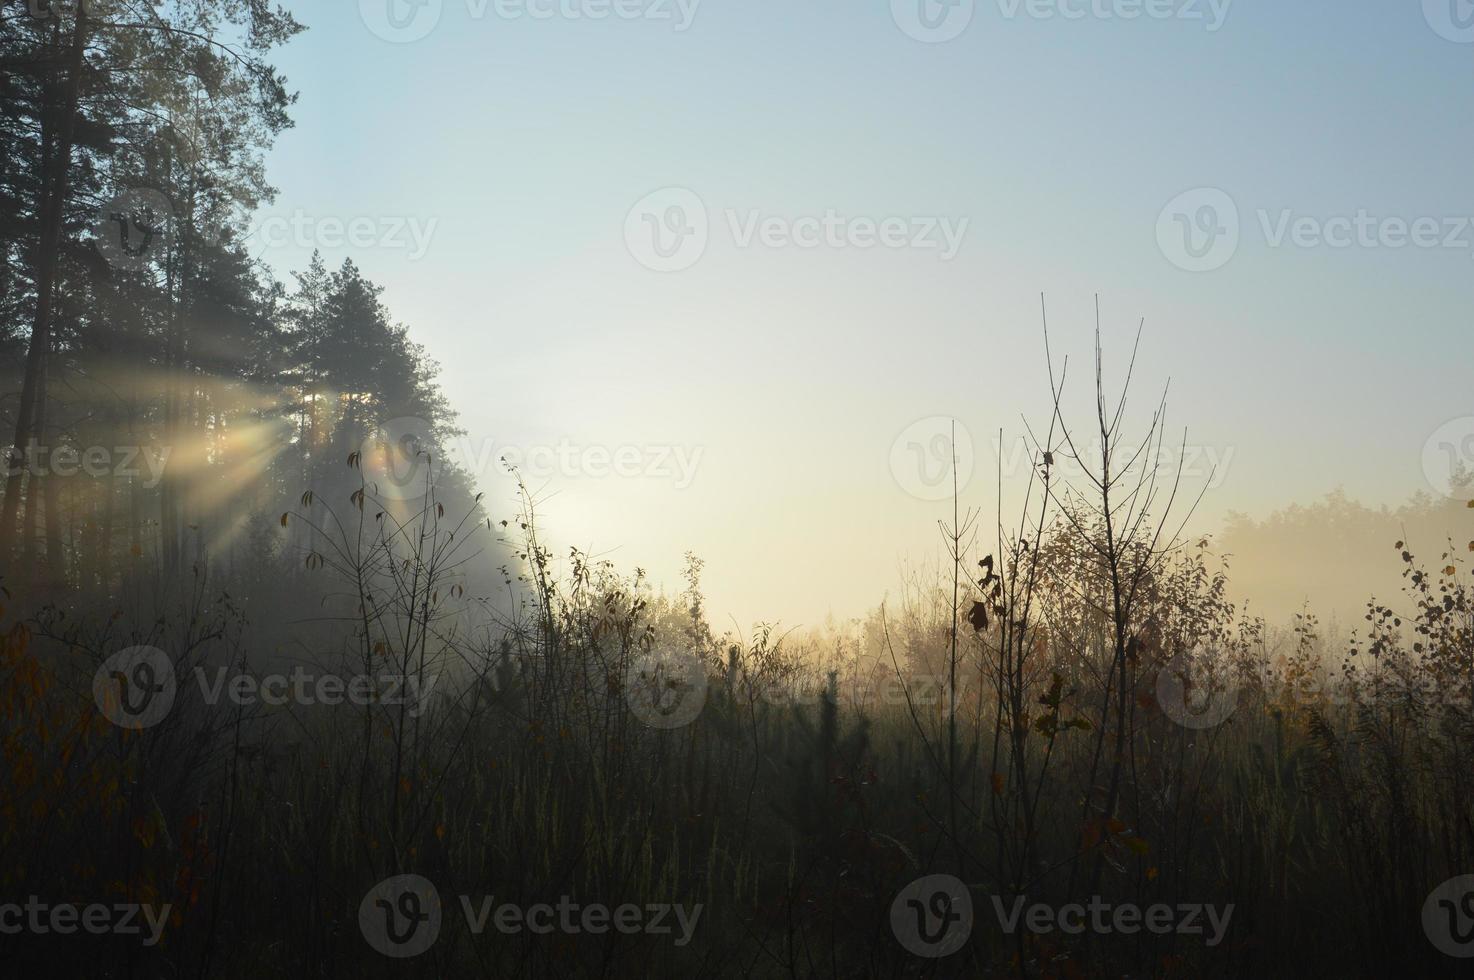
x=687, y=488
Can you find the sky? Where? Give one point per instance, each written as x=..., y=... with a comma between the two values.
x=722, y=273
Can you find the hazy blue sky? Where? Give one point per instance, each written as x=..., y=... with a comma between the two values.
x=793, y=370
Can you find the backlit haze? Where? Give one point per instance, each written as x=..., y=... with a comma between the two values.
x=883, y=206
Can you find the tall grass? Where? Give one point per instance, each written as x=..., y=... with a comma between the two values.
x=1005, y=725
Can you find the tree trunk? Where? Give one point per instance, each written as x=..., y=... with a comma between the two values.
x=50, y=483
x=105, y=538
x=56, y=171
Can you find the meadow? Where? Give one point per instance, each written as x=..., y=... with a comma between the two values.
x=285, y=692
x=1069, y=723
